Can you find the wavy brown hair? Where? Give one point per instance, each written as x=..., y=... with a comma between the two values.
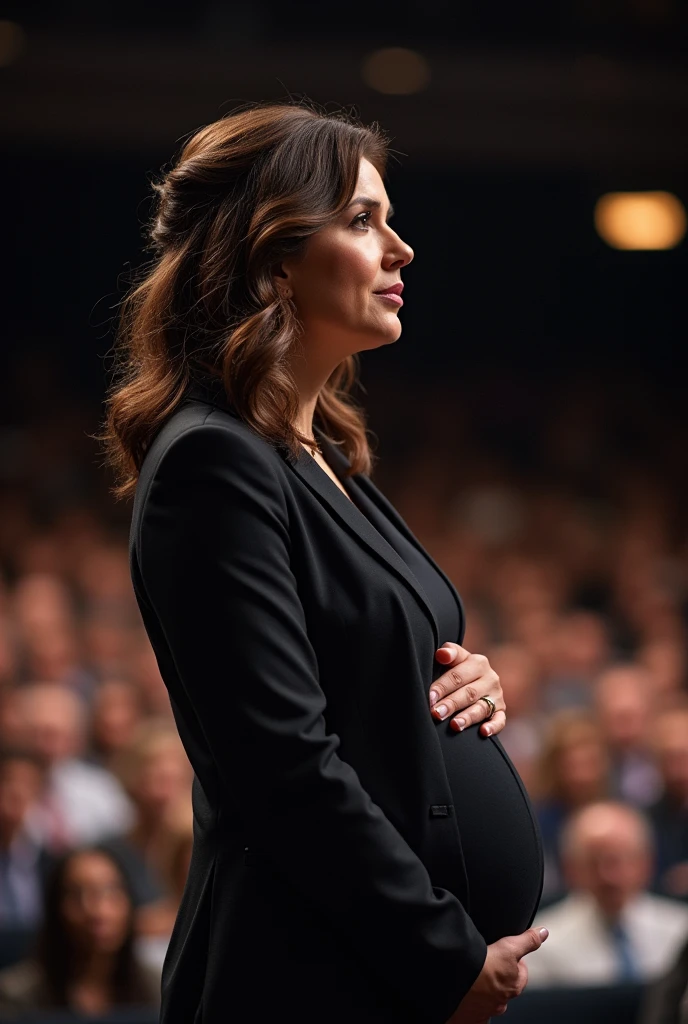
x=243, y=193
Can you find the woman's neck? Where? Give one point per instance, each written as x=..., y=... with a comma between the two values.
x=310, y=378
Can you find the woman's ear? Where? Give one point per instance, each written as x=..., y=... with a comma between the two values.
x=282, y=281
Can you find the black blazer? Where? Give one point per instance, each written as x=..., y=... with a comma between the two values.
x=327, y=882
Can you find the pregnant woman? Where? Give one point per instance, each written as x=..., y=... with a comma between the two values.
x=357, y=856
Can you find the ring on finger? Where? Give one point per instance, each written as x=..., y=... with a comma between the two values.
x=492, y=706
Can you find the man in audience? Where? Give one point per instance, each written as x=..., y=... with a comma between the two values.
x=609, y=928
x=624, y=704
x=669, y=815
x=24, y=862
x=81, y=803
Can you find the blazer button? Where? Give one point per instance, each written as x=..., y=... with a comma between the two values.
x=441, y=810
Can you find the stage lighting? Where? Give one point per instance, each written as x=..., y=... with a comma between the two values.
x=640, y=220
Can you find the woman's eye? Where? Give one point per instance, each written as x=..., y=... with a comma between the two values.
x=362, y=218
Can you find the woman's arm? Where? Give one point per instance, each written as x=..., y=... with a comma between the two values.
x=214, y=558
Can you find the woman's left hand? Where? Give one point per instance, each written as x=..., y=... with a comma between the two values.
x=469, y=677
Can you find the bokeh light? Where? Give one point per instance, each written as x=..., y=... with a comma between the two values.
x=640, y=220
x=396, y=71
x=12, y=42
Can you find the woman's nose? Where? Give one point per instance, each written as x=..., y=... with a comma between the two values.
x=400, y=255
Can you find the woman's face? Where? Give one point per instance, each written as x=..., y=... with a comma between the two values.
x=334, y=283
x=95, y=904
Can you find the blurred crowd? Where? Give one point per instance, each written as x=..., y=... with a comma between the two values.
x=558, y=512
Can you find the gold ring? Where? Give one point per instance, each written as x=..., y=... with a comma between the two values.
x=493, y=706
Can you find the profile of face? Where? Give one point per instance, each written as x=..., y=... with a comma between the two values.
x=609, y=857
x=95, y=905
x=336, y=283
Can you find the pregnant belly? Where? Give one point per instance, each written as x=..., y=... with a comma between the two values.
x=499, y=832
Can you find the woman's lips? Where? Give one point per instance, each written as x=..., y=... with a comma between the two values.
x=391, y=297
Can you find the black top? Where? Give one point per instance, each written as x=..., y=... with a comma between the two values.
x=497, y=823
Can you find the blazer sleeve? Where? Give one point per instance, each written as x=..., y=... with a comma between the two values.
x=214, y=556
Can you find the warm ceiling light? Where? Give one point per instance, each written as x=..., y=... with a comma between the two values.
x=640, y=220
x=396, y=71
x=12, y=40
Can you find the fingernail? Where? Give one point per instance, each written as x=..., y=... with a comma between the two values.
x=544, y=932
x=460, y=723
x=488, y=730
x=441, y=710
x=433, y=696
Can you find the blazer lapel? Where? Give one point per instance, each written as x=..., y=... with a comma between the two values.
x=386, y=507
x=351, y=517
x=342, y=508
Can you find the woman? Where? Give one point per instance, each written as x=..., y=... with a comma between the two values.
x=344, y=830
x=573, y=770
x=85, y=960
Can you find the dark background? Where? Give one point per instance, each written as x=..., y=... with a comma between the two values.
x=532, y=111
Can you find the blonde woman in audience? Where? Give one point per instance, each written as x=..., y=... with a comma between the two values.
x=155, y=928
x=573, y=770
x=156, y=774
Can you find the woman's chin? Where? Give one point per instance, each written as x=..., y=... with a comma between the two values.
x=386, y=335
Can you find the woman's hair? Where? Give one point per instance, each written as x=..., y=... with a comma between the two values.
x=566, y=729
x=149, y=738
x=54, y=950
x=244, y=193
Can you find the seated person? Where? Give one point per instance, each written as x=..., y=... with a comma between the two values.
x=24, y=862
x=84, y=960
x=609, y=928
x=669, y=815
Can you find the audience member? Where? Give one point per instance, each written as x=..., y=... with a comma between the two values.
x=573, y=771
x=609, y=928
x=156, y=775
x=154, y=935
x=518, y=671
x=24, y=861
x=85, y=959
x=624, y=704
x=81, y=803
x=669, y=815
x=115, y=715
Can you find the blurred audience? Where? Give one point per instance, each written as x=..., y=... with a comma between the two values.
x=85, y=959
x=567, y=541
x=609, y=928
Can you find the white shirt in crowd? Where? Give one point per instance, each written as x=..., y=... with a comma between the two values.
x=581, y=951
x=83, y=803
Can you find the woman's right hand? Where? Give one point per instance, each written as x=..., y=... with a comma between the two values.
x=502, y=978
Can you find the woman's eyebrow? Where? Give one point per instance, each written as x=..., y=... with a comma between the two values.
x=375, y=203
